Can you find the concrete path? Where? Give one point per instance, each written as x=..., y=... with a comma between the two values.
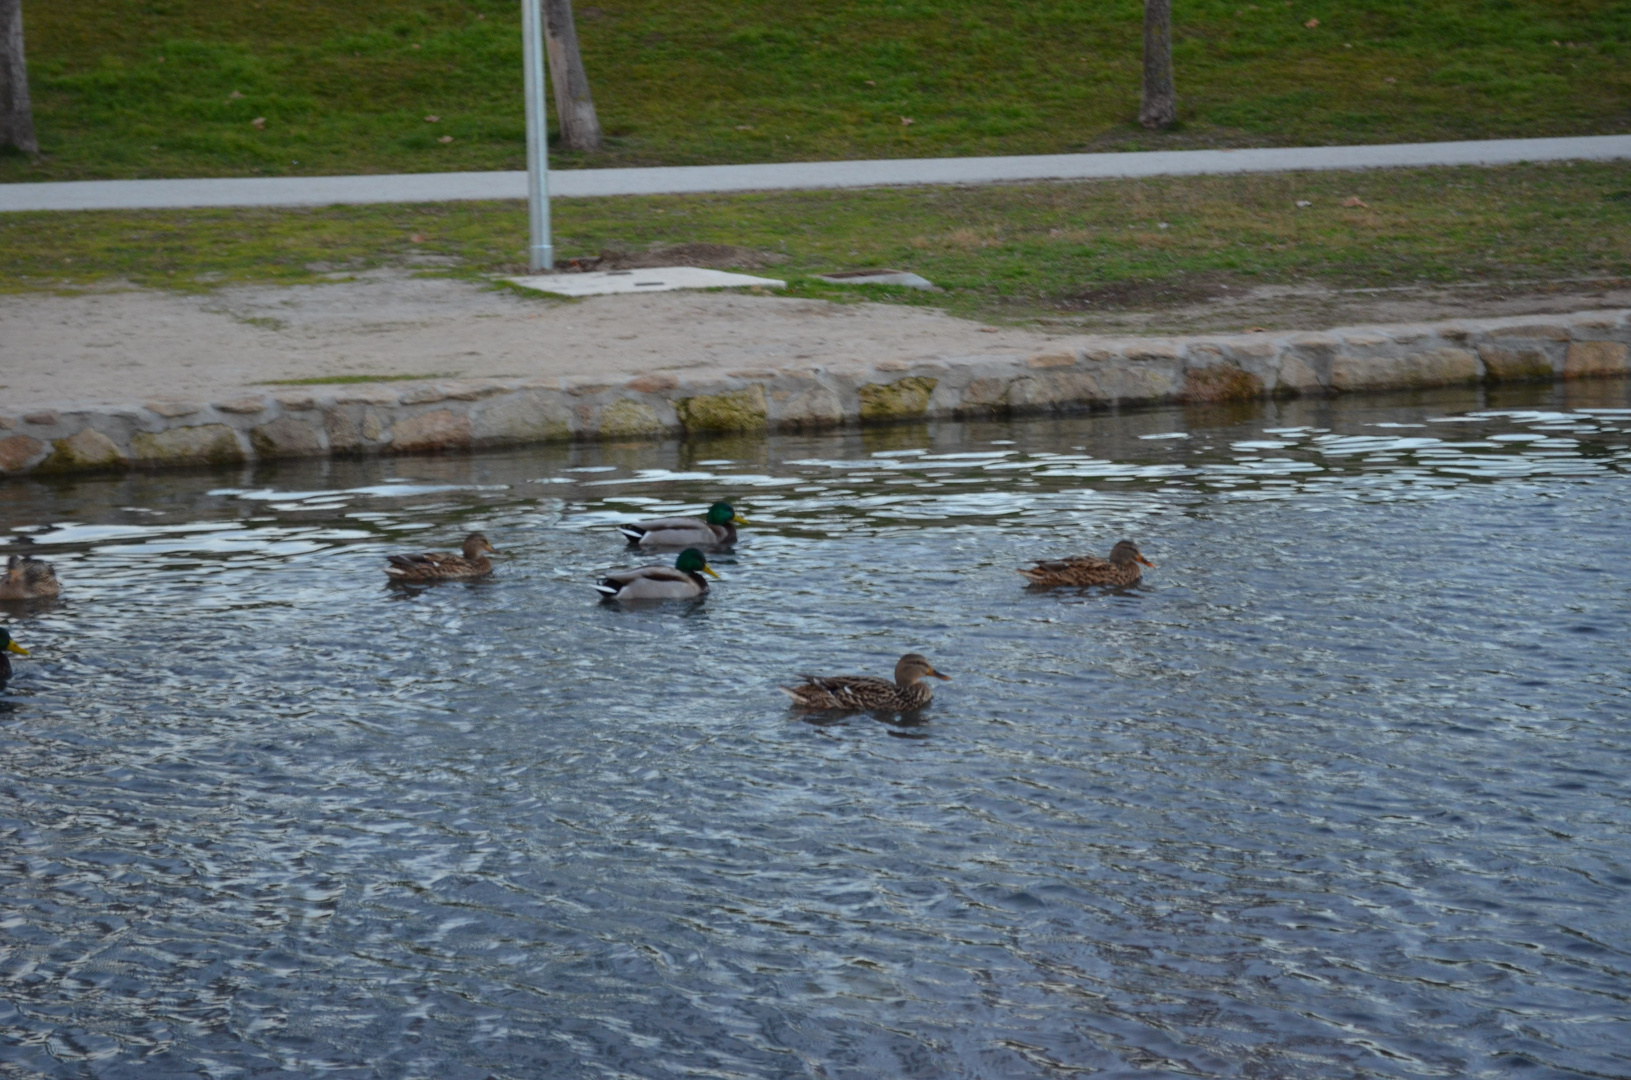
x=585, y=183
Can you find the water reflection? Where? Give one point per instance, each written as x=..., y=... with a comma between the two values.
x=1332, y=793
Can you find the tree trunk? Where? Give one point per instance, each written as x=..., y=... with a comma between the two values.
x=16, y=111
x=580, y=127
x=1160, y=106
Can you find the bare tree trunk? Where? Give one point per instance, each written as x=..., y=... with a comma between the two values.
x=580, y=127
x=1160, y=106
x=16, y=111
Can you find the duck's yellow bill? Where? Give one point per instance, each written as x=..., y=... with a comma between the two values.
x=740, y=520
x=710, y=572
x=12, y=646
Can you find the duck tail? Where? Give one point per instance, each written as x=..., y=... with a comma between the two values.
x=608, y=588
x=633, y=533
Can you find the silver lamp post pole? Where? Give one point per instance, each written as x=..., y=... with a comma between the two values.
x=540, y=249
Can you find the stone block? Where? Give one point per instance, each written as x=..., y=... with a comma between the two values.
x=423, y=395
x=904, y=399
x=1435, y=367
x=738, y=410
x=1122, y=382
x=203, y=444
x=814, y=406
x=1297, y=377
x=1051, y=360
x=286, y=437
x=628, y=419
x=43, y=418
x=1535, y=331
x=525, y=416
x=18, y=452
x=245, y=405
x=439, y=429
x=1220, y=382
x=1515, y=364
x=1590, y=359
x=84, y=451
x=367, y=394
x=352, y=428
x=170, y=408
x=1054, y=390
x=1145, y=351
x=652, y=384
x=985, y=393
x=296, y=400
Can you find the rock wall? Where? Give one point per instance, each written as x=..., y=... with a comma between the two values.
x=389, y=418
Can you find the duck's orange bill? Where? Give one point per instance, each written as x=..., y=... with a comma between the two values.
x=937, y=675
x=1145, y=561
x=12, y=646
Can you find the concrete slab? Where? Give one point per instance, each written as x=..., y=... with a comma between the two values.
x=879, y=277
x=655, y=279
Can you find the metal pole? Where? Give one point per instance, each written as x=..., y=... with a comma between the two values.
x=540, y=250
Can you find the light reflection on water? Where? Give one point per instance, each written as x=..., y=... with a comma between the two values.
x=1337, y=792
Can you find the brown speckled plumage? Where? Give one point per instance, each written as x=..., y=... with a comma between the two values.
x=28, y=579
x=867, y=693
x=1120, y=570
x=440, y=566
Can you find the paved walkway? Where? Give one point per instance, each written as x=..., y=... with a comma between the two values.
x=583, y=183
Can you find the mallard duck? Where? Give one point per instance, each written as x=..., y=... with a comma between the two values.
x=682, y=581
x=8, y=646
x=1119, y=571
x=717, y=530
x=440, y=566
x=867, y=693
x=28, y=578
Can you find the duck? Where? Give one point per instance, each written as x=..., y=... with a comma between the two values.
x=8, y=646
x=440, y=566
x=28, y=578
x=868, y=693
x=682, y=581
x=717, y=530
x=1119, y=571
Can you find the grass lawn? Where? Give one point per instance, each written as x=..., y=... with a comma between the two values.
x=1000, y=252
x=144, y=88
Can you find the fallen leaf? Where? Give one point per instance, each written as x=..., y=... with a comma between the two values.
x=1312, y=24
x=259, y=123
x=988, y=329
x=743, y=127
x=907, y=121
x=1304, y=202
x=1353, y=200
x=417, y=238
x=1255, y=330
x=433, y=119
x=445, y=139
x=234, y=96
x=1390, y=79
x=869, y=82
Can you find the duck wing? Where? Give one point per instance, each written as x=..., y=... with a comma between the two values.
x=1075, y=570
x=855, y=693
x=651, y=583
x=676, y=532
x=432, y=565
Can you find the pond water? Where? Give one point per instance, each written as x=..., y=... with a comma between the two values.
x=1340, y=790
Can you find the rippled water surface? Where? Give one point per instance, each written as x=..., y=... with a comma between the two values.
x=1341, y=790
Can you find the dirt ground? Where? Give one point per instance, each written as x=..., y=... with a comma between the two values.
x=126, y=345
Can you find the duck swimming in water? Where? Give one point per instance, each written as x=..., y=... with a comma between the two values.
x=868, y=693
x=28, y=578
x=1120, y=571
x=440, y=566
x=8, y=646
x=717, y=530
x=682, y=581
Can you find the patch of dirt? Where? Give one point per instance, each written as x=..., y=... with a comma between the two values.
x=711, y=256
x=1214, y=303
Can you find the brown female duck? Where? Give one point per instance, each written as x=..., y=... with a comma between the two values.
x=867, y=693
x=440, y=566
x=28, y=579
x=1120, y=571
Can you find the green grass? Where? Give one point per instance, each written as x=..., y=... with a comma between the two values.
x=141, y=88
x=1005, y=252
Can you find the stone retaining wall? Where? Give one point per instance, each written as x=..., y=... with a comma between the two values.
x=390, y=418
